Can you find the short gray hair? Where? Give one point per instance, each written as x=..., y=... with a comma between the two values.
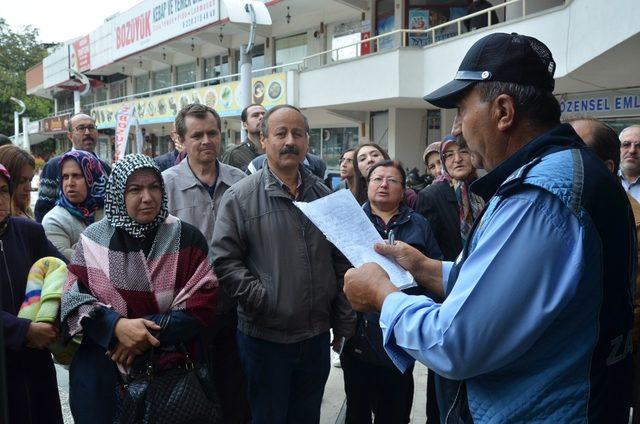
x=264, y=126
x=532, y=103
x=629, y=128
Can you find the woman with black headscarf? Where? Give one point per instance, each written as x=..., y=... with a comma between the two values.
x=31, y=378
x=129, y=271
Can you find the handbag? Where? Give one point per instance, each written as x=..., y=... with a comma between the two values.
x=183, y=394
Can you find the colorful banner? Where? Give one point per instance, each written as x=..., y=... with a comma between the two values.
x=154, y=21
x=268, y=90
x=55, y=124
x=80, y=54
x=123, y=119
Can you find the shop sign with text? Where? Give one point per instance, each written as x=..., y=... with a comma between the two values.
x=153, y=21
x=601, y=104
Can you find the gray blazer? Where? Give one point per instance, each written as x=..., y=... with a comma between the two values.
x=189, y=200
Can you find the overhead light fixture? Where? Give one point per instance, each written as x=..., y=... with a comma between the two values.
x=221, y=37
x=288, y=16
x=193, y=46
x=164, y=54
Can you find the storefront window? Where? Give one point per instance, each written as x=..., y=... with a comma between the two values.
x=118, y=89
x=141, y=83
x=216, y=66
x=425, y=14
x=162, y=79
x=291, y=49
x=100, y=94
x=344, y=35
x=329, y=143
x=185, y=74
x=385, y=22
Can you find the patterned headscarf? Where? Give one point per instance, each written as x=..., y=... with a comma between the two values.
x=469, y=205
x=114, y=202
x=5, y=173
x=96, y=179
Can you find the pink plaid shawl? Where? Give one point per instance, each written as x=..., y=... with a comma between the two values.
x=106, y=271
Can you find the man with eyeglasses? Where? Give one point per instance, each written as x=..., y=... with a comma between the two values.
x=630, y=160
x=83, y=134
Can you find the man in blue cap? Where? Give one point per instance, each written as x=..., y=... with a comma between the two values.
x=536, y=321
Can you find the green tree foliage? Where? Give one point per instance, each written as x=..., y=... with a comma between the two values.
x=18, y=52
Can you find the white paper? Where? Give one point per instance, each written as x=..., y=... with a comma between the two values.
x=344, y=223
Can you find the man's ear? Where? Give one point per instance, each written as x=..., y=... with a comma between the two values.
x=243, y=125
x=263, y=141
x=610, y=165
x=504, y=112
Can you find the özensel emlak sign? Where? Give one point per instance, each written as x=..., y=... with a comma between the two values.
x=154, y=21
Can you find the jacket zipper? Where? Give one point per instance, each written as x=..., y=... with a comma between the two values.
x=453, y=405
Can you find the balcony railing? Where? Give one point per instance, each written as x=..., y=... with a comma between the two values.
x=377, y=44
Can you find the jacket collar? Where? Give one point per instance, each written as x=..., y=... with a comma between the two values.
x=404, y=213
x=558, y=138
x=187, y=179
x=273, y=188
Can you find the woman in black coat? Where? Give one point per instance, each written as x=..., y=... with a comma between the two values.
x=32, y=390
x=449, y=205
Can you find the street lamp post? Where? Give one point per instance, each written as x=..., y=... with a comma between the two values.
x=246, y=54
x=77, y=93
x=16, y=118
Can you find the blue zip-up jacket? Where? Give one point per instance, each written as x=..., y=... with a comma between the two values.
x=538, y=312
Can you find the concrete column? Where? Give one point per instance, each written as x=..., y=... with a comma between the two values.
x=446, y=121
x=407, y=136
x=399, y=7
x=269, y=52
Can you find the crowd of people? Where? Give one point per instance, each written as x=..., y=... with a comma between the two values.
x=194, y=274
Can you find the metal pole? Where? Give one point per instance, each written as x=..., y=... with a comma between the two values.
x=16, y=118
x=16, y=127
x=246, y=53
x=26, y=144
x=85, y=89
x=76, y=102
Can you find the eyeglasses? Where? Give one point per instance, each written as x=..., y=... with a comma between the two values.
x=343, y=160
x=627, y=144
x=380, y=180
x=463, y=153
x=83, y=128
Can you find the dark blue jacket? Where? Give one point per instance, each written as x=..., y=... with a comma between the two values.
x=31, y=379
x=413, y=229
x=167, y=160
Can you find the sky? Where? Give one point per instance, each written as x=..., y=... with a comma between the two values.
x=61, y=20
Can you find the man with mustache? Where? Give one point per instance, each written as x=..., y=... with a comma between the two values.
x=83, y=134
x=630, y=160
x=284, y=273
x=194, y=189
